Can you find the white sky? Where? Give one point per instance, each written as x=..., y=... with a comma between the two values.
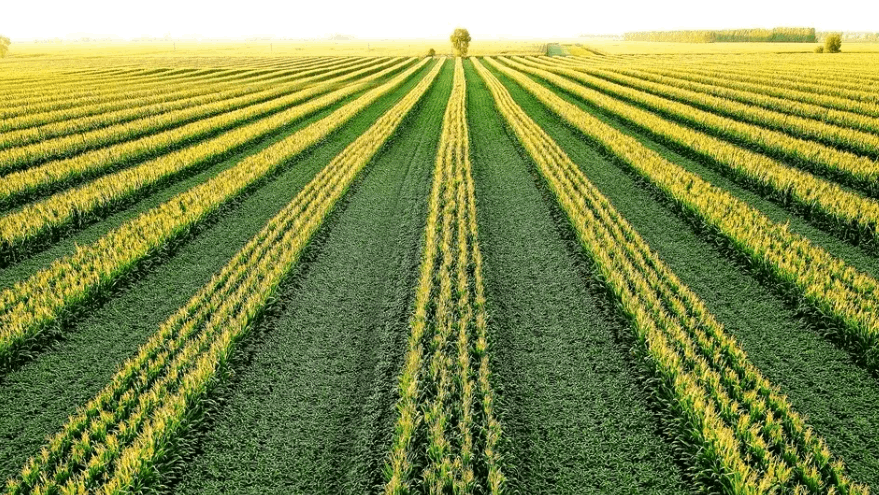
x=25, y=19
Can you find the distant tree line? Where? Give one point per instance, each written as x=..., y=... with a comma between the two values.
x=849, y=36
x=789, y=35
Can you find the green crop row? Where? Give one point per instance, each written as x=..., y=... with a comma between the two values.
x=778, y=76
x=850, y=212
x=766, y=88
x=443, y=399
x=70, y=145
x=742, y=433
x=843, y=295
x=114, y=444
x=87, y=95
x=66, y=122
x=847, y=136
x=807, y=111
x=31, y=306
x=22, y=184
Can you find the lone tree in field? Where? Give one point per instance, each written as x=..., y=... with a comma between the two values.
x=833, y=43
x=460, y=41
x=4, y=46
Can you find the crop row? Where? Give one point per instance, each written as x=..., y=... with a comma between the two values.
x=69, y=145
x=805, y=110
x=49, y=87
x=66, y=122
x=34, y=305
x=810, y=73
x=41, y=78
x=765, y=88
x=848, y=212
x=742, y=433
x=807, y=128
x=116, y=442
x=31, y=112
x=61, y=95
x=801, y=77
x=20, y=185
x=809, y=84
x=845, y=297
x=443, y=399
x=22, y=118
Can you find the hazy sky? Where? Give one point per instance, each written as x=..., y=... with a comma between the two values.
x=402, y=19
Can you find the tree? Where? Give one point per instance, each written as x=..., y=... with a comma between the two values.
x=4, y=46
x=833, y=43
x=431, y=52
x=460, y=41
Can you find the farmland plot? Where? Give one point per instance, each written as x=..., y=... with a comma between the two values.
x=501, y=274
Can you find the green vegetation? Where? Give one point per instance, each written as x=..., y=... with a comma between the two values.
x=558, y=352
x=509, y=274
x=775, y=35
x=833, y=43
x=139, y=307
x=724, y=280
x=460, y=39
x=335, y=399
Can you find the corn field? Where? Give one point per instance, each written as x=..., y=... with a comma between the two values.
x=501, y=274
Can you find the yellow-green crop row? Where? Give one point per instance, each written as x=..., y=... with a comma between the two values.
x=20, y=227
x=808, y=111
x=31, y=111
x=829, y=86
x=19, y=185
x=722, y=77
x=809, y=129
x=842, y=294
x=22, y=117
x=33, y=305
x=742, y=433
x=441, y=395
x=65, y=89
x=61, y=96
x=54, y=86
x=844, y=74
x=813, y=77
x=848, y=211
x=65, y=122
x=738, y=83
x=808, y=76
x=66, y=146
x=114, y=443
